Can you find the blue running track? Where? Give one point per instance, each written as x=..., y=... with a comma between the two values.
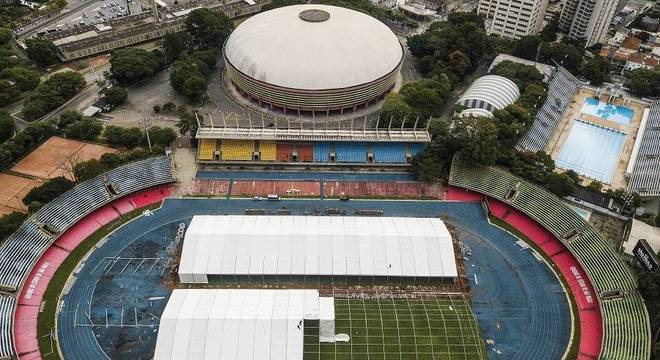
x=517, y=300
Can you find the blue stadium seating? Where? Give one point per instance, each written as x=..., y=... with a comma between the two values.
x=389, y=152
x=353, y=152
x=416, y=148
x=321, y=151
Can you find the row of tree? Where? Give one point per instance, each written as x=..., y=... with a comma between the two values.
x=16, y=76
x=52, y=93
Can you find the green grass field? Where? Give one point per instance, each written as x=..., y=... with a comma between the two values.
x=382, y=329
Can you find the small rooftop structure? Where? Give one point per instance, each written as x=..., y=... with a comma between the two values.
x=641, y=230
x=241, y=324
x=241, y=246
x=490, y=92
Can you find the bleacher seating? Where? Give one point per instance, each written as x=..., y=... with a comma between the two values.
x=389, y=152
x=305, y=152
x=351, y=152
x=645, y=176
x=416, y=148
x=22, y=249
x=283, y=151
x=561, y=89
x=206, y=149
x=322, y=151
x=241, y=150
x=7, y=306
x=267, y=150
x=625, y=321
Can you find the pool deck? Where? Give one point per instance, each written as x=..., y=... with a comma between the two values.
x=573, y=111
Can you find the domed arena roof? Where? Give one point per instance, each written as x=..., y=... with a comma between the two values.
x=313, y=47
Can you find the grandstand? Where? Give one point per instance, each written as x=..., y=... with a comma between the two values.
x=625, y=320
x=7, y=306
x=644, y=162
x=236, y=149
x=21, y=250
x=319, y=146
x=267, y=150
x=561, y=90
x=207, y=149
x=351, y=152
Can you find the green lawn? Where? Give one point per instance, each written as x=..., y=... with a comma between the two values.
x=382, y=329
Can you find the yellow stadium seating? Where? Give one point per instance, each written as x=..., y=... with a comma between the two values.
x=206, y=149
x=267, y=150
x=237, y=149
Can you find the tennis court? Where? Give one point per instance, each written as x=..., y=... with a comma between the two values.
x=44, y=161
x=12, y=190
x=592, y=151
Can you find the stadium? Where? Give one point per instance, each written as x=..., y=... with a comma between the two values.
x=452, y=272
x=344, y=254
x=341, y=59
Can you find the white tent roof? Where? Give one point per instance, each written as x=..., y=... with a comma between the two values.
x=317, y=245
x=237, y=323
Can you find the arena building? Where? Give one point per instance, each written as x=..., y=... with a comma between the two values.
x=246, y=248
x=490, y=92
x=313, y=58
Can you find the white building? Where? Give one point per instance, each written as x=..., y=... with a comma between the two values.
x=490, y=92
x=242, y=324
x=513, y=18
x=313, y=247
x=587, y=20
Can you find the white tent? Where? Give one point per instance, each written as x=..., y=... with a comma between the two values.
x=316, y=246
x=240, y=323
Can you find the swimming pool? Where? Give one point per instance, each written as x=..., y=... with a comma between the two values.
x=607, y=111
x=591, y=150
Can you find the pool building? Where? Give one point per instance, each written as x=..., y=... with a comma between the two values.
x=596, y=135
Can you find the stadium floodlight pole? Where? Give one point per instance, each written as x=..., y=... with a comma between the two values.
x=428, y=123
x=416, y=120
x=403, y=123
x=364, y=125
x=224, y=121
x=377, y=124
x=263, y=126
x=145, y=125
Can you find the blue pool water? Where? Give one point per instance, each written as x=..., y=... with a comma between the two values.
x=592, y=151
x=607, y=111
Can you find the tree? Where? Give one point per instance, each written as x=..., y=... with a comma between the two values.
x=10, y=223
x=49, y=190
x=6, y=126
x=568, y=55
x=130, y=65
x=527, y=47
x=161, y=136
x=435, y=160
x=597, y=70
x=5, y=35
x=595, y=185
x=68, y=117
x=116, y=95
x=125, y=137
x=476, y=139
x=25, y=79
x=521, y=74
x=86, y=129
x=188, y=123
x=42, y=51
x=52, y=93
x=8, y=92
x=67, y=162
x=644, y=82
x=395, y=108
x=559, y=184
x=423, y=98
x=208, y=28
x=175, y=45
x=186, y=79
x=88, y=169
x=533, y=166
